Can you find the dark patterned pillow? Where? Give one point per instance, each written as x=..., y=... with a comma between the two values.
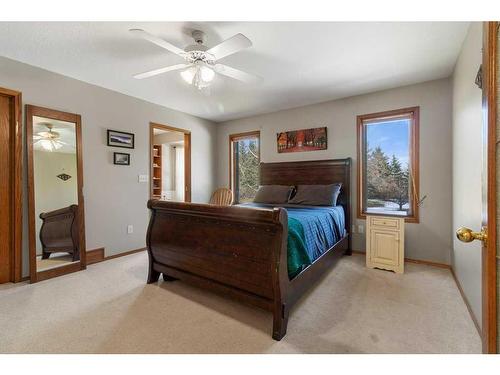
x=317, y=195
x=273, y=194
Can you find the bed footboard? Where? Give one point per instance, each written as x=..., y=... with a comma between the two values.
x=237, y=251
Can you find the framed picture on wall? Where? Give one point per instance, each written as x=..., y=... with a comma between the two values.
x=120, y=158
x=313, y=139
x=120, y=139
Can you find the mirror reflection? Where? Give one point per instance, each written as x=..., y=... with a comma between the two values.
x=55, y=193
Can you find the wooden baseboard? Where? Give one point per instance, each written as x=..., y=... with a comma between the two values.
x=471, y=313
x=98, y=255
x=428, y=263
x=95, y=256
x=416, y=261
x=125, y=253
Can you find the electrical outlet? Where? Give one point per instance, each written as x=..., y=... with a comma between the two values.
x=130, y=229
x=361, y=228
x=143, y=178
x=353, y=228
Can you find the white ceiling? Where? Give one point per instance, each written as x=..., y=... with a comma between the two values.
x=301, y=62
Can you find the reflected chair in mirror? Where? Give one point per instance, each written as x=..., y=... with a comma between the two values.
x=222, y=197
x=60, y=232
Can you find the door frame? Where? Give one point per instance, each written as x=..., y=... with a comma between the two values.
x=489, y=107
x=16, y=219
x=187, y=157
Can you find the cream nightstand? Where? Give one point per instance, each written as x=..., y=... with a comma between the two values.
x=385, y=238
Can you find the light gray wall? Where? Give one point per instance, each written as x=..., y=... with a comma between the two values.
x=168, y=137
x=467, y=162
x=428, y=240
x=113, y=196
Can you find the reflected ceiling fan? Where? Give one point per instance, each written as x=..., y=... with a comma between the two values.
x=201, y=63
x=49, y=140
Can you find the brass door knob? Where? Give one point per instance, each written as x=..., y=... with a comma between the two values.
x=467, y=235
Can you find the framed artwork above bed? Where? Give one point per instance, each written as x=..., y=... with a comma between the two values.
x=313, y=139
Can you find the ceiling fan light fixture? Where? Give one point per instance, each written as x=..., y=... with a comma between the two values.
x=50, y=145
x=201, y=63
x=207, y=74
x=188, y=74
x=48, y=140
x=199, y=75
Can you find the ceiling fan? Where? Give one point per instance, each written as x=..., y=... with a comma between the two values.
x=49, y=140
x=201, y=63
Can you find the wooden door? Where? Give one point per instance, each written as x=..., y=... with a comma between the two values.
x=10, y=186
x=489, y=208
x=487, y=235
x=5, y=194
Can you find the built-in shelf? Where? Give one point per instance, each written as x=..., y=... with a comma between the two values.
x=156, y=176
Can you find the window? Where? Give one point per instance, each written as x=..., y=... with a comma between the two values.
x=244, y=159
x=388, y=164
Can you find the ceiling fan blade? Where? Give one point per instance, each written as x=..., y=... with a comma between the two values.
x=158, y=41
x=236, y=74
x=232, y=45
x=155, y=72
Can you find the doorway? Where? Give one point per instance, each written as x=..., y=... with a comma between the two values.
x=170, y=160
x=10, y=186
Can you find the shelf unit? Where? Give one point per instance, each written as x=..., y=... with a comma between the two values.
x=156, y=185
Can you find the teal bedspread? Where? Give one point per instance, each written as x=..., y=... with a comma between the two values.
x=298, y=258
x=312, y=230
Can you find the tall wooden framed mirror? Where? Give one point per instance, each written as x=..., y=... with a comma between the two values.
x=55, y=193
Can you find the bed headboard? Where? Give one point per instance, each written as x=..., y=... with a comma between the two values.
x=320, y=172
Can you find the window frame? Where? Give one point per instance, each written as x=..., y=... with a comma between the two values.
x=414, y=114
x=232, y=165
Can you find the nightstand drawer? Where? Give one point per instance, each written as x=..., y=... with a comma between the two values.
x=385, y=222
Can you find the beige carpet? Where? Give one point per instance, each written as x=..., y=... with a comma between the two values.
x=109, y=309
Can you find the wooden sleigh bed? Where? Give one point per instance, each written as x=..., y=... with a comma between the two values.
x=242, y=252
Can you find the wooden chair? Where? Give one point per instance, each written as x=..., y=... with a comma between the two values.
x=222, y=197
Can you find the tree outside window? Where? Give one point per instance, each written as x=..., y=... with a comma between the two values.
x=388, y=163
x=244, y=166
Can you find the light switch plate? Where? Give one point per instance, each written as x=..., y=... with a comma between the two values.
x=143, y=178
x=361, y=228
x=130, y=229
